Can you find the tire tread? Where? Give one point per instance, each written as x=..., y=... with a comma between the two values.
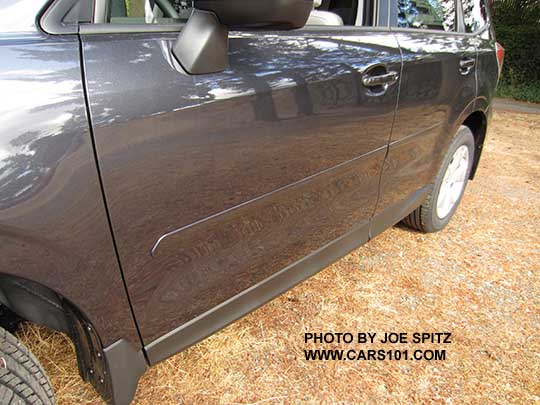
x=23, y=380
x=419, y=218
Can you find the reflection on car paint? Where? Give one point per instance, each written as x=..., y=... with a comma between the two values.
x=53, y=228
x=196, y=155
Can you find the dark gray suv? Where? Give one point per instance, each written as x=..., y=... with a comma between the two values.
x=167, y=166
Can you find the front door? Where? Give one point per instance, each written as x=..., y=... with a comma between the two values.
x=216, y=182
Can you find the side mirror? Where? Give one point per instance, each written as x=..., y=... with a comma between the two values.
x=203, y=44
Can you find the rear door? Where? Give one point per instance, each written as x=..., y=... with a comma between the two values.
x=216, y=182
x=477, y=24
x=438, y=87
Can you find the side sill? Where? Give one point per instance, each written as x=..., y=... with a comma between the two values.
x=236, y=307
x=252, y=298
x=395, y=213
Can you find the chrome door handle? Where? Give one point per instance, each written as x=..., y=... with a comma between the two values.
x=380, y=80
x=466, y=65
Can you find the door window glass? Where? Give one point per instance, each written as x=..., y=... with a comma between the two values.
x=427, y=14
x=150, y=11
x=474, y=14
x=333, y=12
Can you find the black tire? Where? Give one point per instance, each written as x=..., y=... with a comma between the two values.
x=425, y=218
x=22, y=379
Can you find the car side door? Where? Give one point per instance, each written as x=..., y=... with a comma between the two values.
x=478, y=24
x=437, y=89
x=216, y=183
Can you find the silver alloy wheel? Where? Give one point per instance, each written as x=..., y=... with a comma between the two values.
x=453, y=182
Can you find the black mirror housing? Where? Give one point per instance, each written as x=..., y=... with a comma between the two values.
x=202, y=45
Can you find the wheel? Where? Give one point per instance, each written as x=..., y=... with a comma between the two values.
x=22, y=379
x=447, y=191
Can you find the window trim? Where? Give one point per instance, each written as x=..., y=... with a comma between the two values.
x=440, y=32
x=53, y=12
x=50, y=18
x=108, y=28
x=50, y=21
x=459, y=16
x=101, y=11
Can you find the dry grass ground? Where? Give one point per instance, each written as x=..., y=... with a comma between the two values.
x=479, y=279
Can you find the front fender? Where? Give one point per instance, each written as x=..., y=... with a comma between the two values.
x=58, y=264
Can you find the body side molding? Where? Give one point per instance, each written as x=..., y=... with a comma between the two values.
x=236, y=307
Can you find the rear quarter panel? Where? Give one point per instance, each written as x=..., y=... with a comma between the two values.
x=487, y=69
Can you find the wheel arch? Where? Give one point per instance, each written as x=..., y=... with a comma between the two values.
x=114, y=371
x=39, y=304
x=477, y=122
